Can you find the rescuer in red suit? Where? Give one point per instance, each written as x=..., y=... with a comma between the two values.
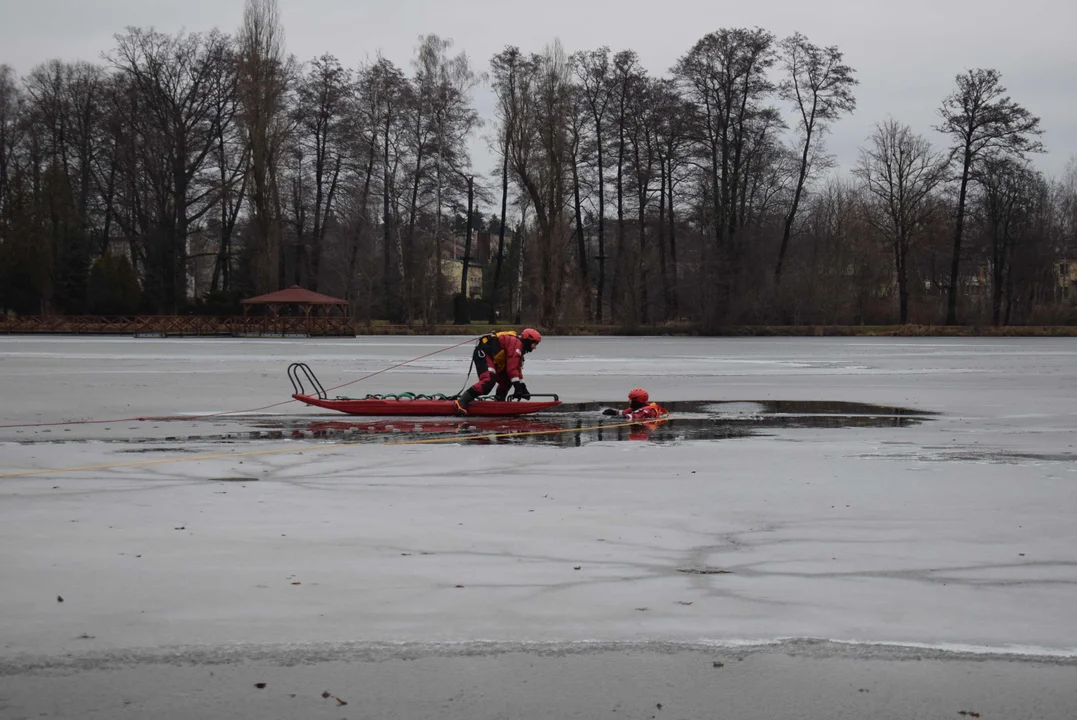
x=499, y=358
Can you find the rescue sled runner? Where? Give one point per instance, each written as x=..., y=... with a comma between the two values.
x=406, y=404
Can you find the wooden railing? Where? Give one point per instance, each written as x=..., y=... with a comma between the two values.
x=178, y=325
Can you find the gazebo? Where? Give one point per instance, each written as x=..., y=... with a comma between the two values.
x=306, y=300
x=308, y=304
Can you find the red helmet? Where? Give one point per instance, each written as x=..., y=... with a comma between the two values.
x=531, y=335
x=639, y=395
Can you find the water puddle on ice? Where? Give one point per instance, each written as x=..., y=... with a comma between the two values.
x=573, y=425
x=569, y=425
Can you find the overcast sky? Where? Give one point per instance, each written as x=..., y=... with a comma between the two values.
x=906, y=52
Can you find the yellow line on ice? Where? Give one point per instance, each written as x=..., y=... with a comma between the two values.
x=314, y=448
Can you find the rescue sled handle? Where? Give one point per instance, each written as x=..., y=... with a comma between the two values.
x=294, y=371
x=513, y=398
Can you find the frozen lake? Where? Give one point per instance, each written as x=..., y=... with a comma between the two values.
x=951, y=536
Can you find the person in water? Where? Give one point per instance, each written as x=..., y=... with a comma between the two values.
x=640, y=407
x=499, y=359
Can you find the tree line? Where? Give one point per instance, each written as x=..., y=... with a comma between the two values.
x=183, y=172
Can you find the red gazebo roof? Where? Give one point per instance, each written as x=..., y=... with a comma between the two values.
x=294, y=294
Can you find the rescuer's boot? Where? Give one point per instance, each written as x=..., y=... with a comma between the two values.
x=464, y=400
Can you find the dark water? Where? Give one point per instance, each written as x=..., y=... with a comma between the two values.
x=573, y=425
x=569, y=425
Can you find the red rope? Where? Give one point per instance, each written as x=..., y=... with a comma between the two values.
x=230, y=412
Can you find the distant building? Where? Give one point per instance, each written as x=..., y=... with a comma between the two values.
x=451, y=271
x=483, y=253
x=453, y=266
x=485, y=248
x=1067, y=279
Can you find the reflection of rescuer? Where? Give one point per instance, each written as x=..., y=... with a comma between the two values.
x=640, y=407
x=499, y=358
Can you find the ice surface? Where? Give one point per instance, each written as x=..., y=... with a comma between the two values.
x=955, y=533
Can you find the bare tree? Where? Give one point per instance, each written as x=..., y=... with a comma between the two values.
x=454, y=119
x=23, y=272
x=675, y=122
x=323, y=101
x=540, y=156
x=845, y=268
x=131, y=177
x=1006, y=204
x=900, y=171
x=232, y=156
x=578, y=122
x=725, y=75
x=1067, y=210
x=769, y=169
x=265, y=75
x=64, y=107
x=628, y=78
x=428, y=58
x=597, y=87
x=366, y=132
x=643, y=139
x=506, y=66
x=174, y=80
x=50, y=120
x=980, y=118
x=820, y=86
x=9, y=110
x=393, y=103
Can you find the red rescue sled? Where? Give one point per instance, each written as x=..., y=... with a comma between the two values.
x=424, y=407
x=407, y=404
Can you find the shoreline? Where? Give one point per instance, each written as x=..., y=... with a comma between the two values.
x=615, y=681
x=758, y=331
x=149, y=328
x=380, y=651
